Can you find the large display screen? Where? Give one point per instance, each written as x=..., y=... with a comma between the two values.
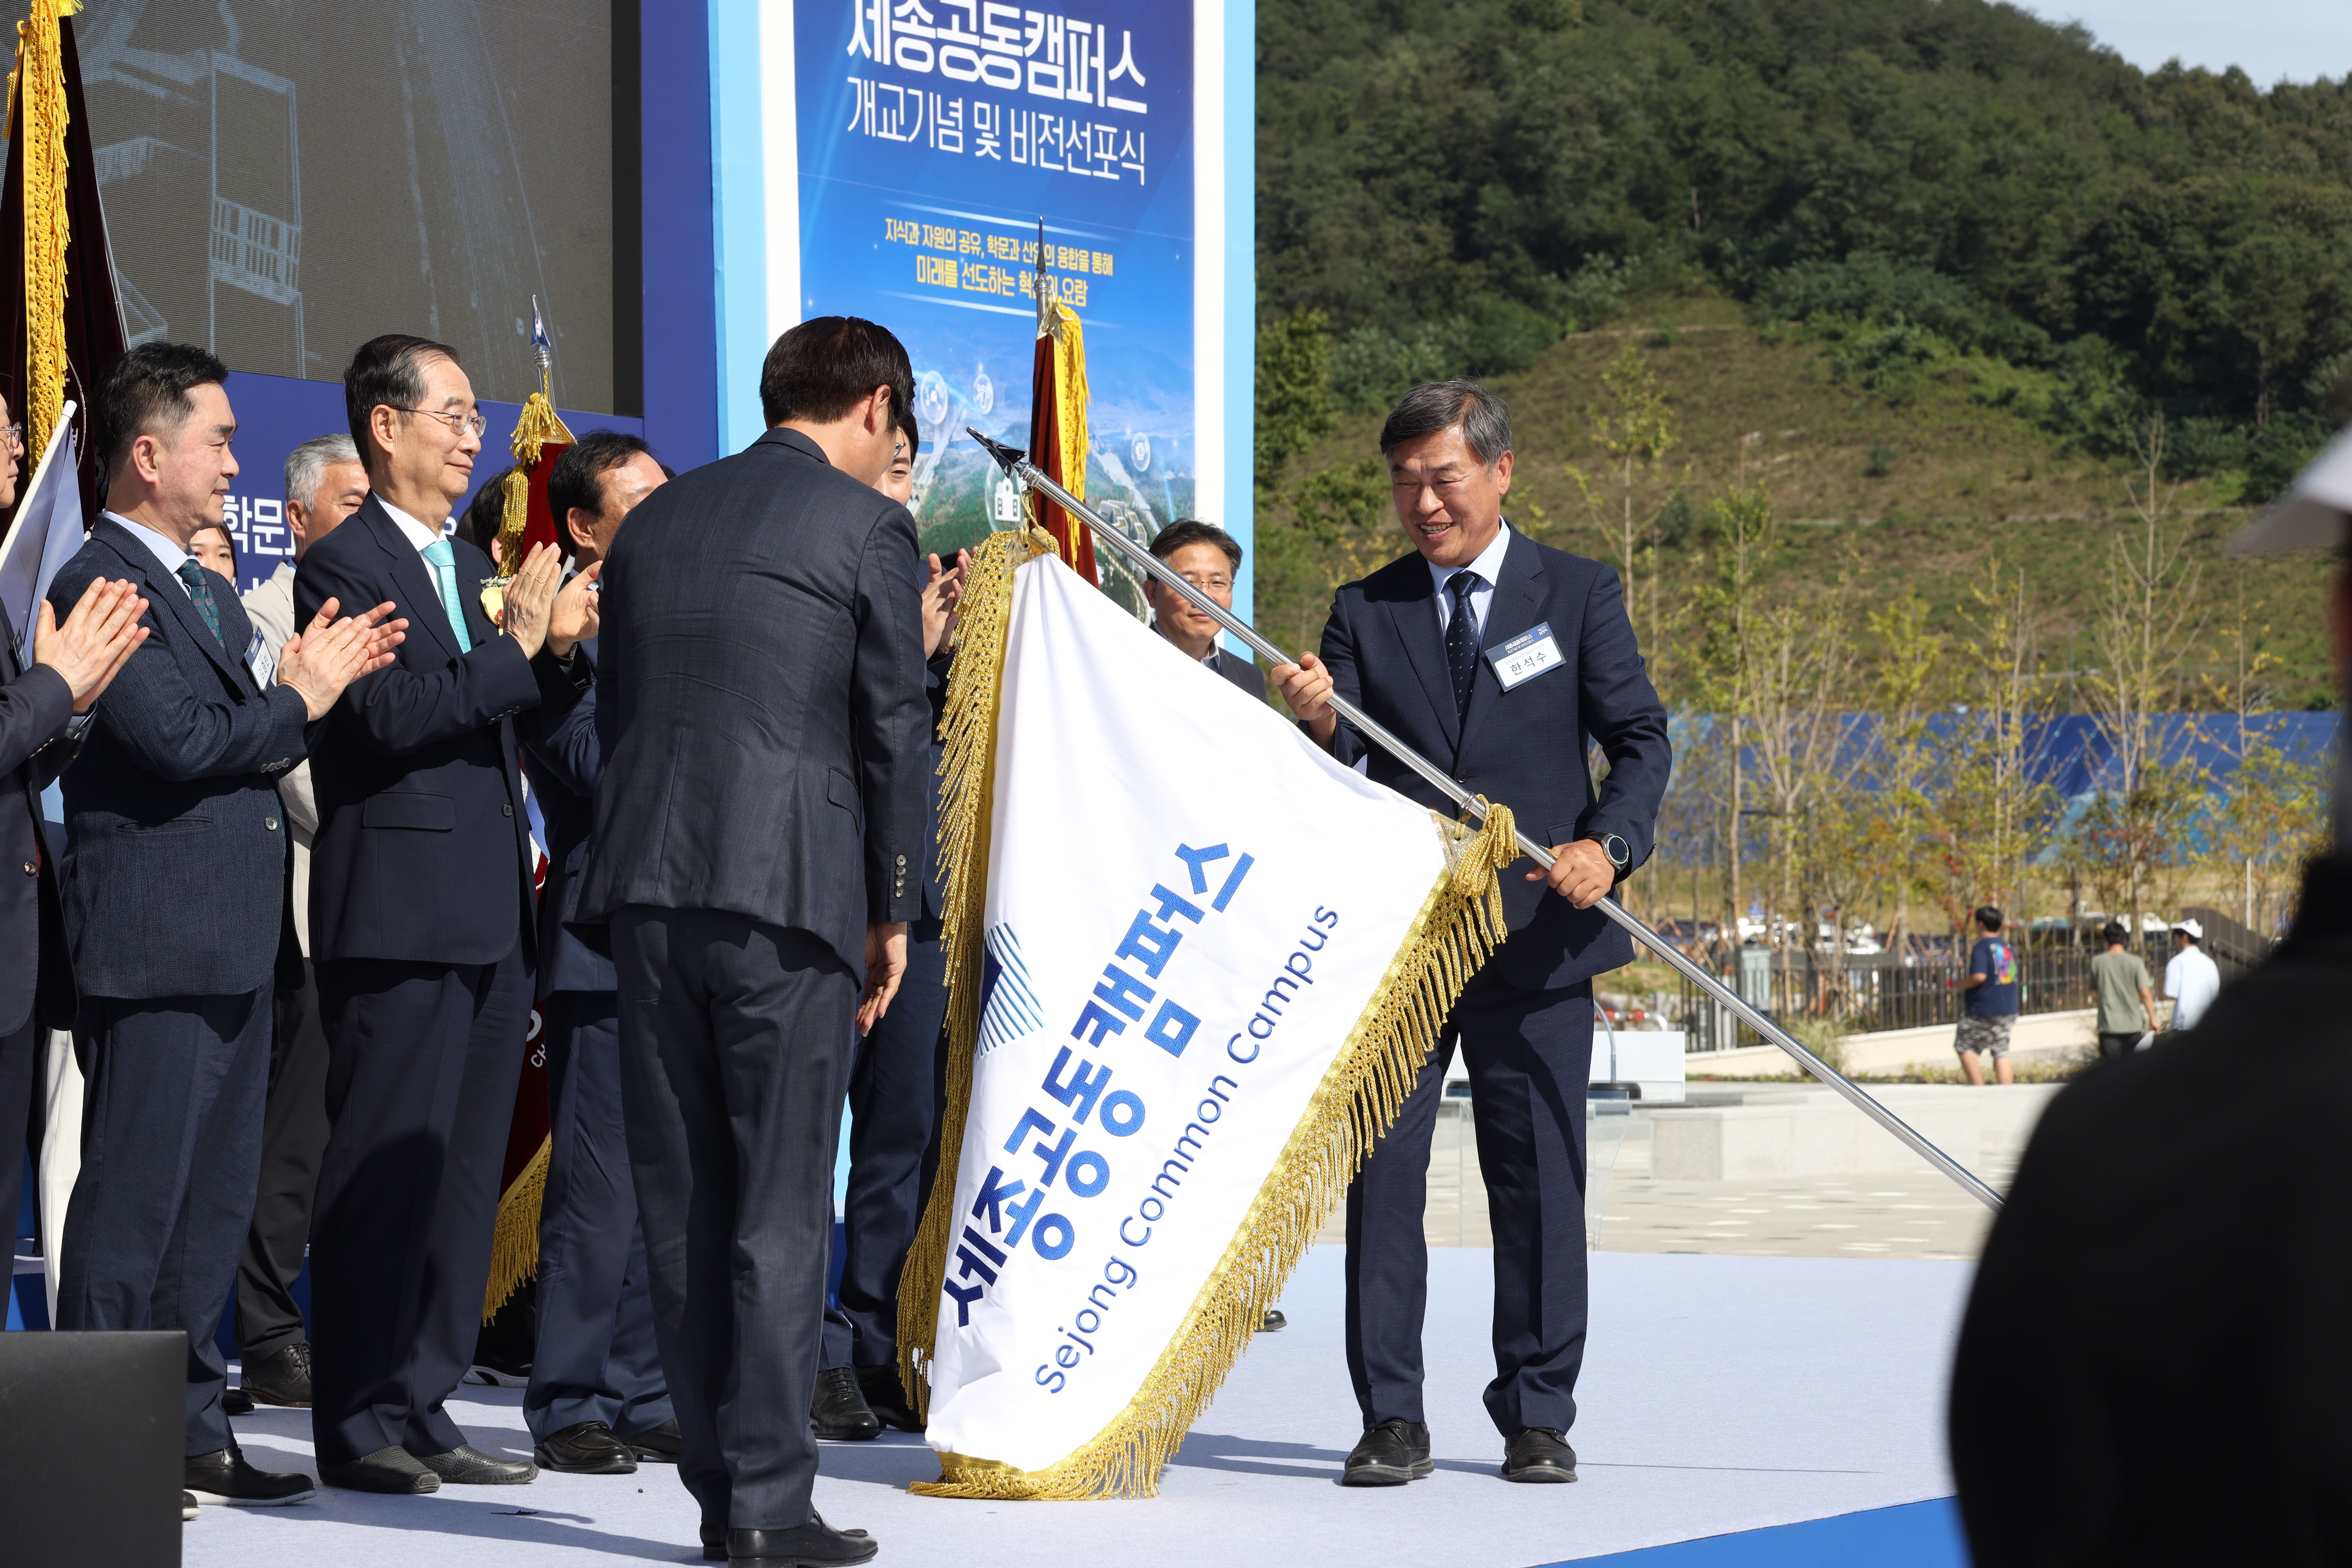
x=285, y=179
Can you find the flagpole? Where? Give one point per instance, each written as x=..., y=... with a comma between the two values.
x=1018, y=466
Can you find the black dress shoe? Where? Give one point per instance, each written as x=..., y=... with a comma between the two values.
x=656, y=1444
x=1538, y=1454
x=188, y=1511
x=467, y=1466
x=586, y=1448
x=714, y=1542
x=888, y=1398
x=1389, y=1455
x=838, y=1412
x=223, y=1476
x=816, y=1544
x=394, y=1470
x=1275, y=1321
x=236, y=1401
x=281, y=1377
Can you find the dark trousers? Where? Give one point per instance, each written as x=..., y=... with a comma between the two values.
x=896, y=1080
x=422, y=1061
x=734, y=1052
x=2115, y=1048
x=170, y=1145
x=1529, y=1055
x=596, y=1359
x=20, y=1064
x=293, y=1137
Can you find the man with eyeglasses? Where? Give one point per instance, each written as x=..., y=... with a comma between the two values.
x=1498, y=659
x=421, y=932
x=1208, y=558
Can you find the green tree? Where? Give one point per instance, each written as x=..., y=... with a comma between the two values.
x=1294, y=393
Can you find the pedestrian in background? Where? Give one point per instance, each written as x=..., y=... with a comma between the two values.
x=2119, y=984
x=1990, y=1006
x=2191, y=980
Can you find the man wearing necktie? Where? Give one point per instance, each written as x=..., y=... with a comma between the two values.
x=421, y=936
x=1499, y=658
x=175, y=892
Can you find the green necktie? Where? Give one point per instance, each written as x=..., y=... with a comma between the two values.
x=443, y=561
x=200, y=589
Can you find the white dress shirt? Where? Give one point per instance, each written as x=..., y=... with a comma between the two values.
x=415, y=532
x=1489, y=567
x=162, y=549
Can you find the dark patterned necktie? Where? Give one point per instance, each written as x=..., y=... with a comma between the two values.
x=200, y=589
x=1461, y=637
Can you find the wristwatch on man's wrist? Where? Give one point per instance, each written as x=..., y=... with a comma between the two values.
x=1619, y=853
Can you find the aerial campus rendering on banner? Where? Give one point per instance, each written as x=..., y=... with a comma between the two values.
x=1553, y=782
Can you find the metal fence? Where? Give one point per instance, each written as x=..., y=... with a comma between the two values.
x=1865, y=993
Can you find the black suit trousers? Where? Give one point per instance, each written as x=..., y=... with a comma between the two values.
x=735, y=1041
x=171, y=1141
x=896, y=1080
x=20, y=1064
x=422, y=1062
x=293, y=1138
x=1529, y=1055
x=593, y=1358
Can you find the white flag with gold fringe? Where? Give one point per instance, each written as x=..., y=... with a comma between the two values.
x=1193, y=965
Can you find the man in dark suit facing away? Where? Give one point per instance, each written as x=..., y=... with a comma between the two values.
x=1208, y=558
x=421, y=936
x=1498, y=659
x=596, y=1403
x=48, y=687
x=175, y=892
x=757, y=851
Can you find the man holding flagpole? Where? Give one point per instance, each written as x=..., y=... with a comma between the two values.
x=1500, y=657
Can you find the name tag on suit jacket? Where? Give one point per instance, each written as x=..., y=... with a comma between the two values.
x=1524, y=656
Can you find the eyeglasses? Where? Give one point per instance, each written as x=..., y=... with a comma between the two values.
x=463, y=423
x=13, y=436
x=1208, y=584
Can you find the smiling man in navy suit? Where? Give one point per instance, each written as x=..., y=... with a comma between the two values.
x=176, y=891
x=421, y=936
x=1499, y=658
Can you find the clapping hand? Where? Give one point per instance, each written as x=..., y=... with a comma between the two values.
x=328, y=655
x=531, y=598
x=575, y=617
x=97, y=639
x=942, y=595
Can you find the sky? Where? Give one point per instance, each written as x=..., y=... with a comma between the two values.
x=2271, y=40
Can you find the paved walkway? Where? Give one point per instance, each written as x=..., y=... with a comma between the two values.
x=1915, y=1215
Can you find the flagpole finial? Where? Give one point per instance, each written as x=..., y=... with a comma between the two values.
x=1005, y=455
x=541, y=353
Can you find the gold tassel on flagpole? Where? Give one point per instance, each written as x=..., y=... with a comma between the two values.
x=1459, y=925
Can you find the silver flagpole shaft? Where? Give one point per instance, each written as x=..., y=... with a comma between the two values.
x=1021, y=468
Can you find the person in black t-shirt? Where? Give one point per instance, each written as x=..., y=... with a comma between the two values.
x=1991, y=1005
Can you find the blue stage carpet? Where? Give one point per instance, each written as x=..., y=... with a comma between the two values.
x=1722, y=1398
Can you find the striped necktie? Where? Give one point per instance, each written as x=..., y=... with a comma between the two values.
x=200, y=589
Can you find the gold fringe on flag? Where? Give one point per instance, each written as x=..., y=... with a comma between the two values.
x=538, y=424
x=38, y=87
x=514, y=1244
x=1459, y=926
x=968, y=763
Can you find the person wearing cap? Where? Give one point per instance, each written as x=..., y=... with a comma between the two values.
x=2188, y=1202
x=2190, y=978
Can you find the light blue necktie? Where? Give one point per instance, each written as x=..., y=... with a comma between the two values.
x=443, y=561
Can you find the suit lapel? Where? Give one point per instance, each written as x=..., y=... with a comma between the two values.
x=1517, y=605
x=416, y=593
x=480, y=627
x=167, y=596
x=1414, y=619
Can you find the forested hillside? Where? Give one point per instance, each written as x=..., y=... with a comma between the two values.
x=1904, y=357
